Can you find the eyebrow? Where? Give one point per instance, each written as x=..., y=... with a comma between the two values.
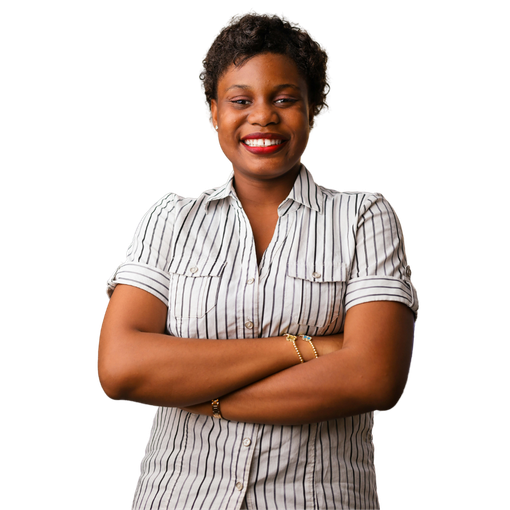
x=278, y=87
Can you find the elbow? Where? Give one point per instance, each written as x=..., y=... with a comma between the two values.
x=111, y=388
x=387, y=394
x=113, y=380
x=387, y=401
x=111, y=385
x=116, y=370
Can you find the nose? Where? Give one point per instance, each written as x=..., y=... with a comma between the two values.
x=263, y=113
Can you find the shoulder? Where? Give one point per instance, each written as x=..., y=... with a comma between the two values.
x=154, y=229
x=354, y=203
x=174, y=203
x=169, y=202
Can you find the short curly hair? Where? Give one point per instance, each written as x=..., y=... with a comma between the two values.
x=252, y=34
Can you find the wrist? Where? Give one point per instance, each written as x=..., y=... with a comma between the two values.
x=328, y=344
x=216, y=412
x=306, y=349
x=303, y=347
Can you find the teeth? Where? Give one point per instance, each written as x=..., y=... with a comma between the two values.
x=262, y=142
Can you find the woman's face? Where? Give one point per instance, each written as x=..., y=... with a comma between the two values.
x=263, y=116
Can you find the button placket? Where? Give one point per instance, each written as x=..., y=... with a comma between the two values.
x=248, y=309
x=245, y=449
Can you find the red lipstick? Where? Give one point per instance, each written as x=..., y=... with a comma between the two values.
x=270, y=149
x=264, y=149
x=270, y=136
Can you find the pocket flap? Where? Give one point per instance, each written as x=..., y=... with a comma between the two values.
x=196, y=269
x=333, y=272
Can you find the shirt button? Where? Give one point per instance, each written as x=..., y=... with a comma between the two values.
x=239, y=486
x=250, y=281
x=249, y=324
x=316, y=275
x=193, y=269
x=246, y=441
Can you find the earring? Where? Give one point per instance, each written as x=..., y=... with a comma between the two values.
x=216, y=127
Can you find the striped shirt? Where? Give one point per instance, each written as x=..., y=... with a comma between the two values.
x=330, y=251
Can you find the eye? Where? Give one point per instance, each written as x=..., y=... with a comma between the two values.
x=240, y=102
x=285, y=100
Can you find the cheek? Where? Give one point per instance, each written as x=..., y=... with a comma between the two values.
x=301, y=142
x=228, y=132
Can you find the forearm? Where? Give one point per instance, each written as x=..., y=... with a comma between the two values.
x=162, y=370
x=330, y=387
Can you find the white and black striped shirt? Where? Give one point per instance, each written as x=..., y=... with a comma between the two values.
x=330, y=251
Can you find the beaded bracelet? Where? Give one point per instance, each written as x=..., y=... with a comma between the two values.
x=308, y=339
x=292, y=338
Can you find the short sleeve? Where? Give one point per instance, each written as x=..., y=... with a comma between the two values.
x=148, y=256
x=379, y=271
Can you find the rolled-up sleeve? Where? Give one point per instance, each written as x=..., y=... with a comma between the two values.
x=147, y=259
x=379, y=270
x=142, y=276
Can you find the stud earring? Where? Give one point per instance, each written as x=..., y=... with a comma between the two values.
x=216, y=127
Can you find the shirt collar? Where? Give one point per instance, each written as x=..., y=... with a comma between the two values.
x=304, y=191
x=227, y=190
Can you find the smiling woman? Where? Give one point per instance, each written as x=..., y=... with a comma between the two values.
x=263, y=117
x=268, y=317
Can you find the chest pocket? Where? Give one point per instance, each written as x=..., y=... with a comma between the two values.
x=318, y=293
x=194, y=290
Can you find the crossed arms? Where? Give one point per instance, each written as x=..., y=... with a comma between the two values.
x=257, y=380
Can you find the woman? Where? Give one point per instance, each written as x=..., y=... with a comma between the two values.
x=267, y=318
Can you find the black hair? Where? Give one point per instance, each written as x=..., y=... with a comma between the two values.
x=253, y=34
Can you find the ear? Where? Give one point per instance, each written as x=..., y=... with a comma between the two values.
x=310, y=115
x=214, y=113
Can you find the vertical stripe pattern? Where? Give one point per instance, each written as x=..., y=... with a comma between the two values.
x=329, y=251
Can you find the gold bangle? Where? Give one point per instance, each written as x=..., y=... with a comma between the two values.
x=308, y=339
x=292, y=338
x=216, y=408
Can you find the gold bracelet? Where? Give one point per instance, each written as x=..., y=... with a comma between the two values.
x=292, y=338
x=308, y=339
x=216, y=408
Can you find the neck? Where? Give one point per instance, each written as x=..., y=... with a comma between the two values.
x=268, y=193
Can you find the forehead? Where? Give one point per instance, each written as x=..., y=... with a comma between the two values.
x=262, y=71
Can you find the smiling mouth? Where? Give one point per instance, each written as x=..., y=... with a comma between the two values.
x=263, y=146
x=262, y=142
